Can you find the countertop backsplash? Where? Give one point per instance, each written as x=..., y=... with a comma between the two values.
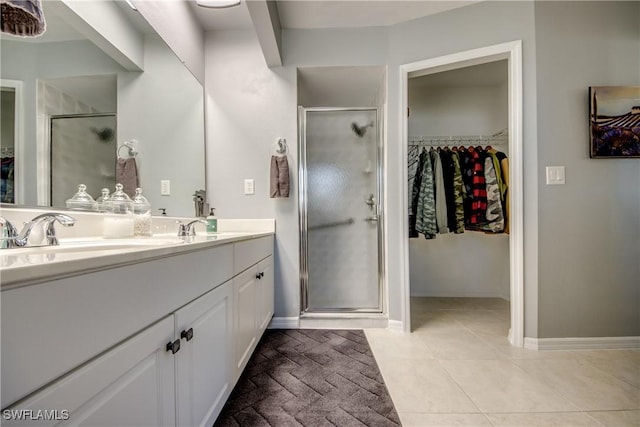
x=91, y=223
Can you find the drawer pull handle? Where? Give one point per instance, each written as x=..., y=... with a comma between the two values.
x=187, y=335
x=174, y=346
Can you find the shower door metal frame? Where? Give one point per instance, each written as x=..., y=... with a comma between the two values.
x=302, y=210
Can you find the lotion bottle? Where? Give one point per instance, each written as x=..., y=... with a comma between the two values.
x=212, y=222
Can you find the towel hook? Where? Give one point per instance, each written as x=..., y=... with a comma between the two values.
x=281, y=146
x=131, y=146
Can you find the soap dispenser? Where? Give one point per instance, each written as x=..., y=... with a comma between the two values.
x=212, y=222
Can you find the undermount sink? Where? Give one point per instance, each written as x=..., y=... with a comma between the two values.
x=97, y=244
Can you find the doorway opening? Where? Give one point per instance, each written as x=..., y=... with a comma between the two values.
x=511, y=52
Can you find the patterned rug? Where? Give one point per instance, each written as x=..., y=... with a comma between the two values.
x=310, y=378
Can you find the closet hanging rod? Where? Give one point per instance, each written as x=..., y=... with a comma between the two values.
x=457, y=140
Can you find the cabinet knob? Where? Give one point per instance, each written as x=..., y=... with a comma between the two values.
x=258, y=276
x=174, y=346
x=261, y=274
x=187, y=335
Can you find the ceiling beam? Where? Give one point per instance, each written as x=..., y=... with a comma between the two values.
x=264, y=14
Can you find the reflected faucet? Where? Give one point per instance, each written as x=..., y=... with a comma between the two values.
x=9, y=234
x=48, y=220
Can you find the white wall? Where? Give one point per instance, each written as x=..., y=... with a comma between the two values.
x=470, y=27
x=162, y=108
x=178, y=27
x=443, y=266
x=589, y=227
x=463, y=110
x=249, y=106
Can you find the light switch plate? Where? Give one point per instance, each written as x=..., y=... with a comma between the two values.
x=249, y=186
x=165, y=187
x=555, y=175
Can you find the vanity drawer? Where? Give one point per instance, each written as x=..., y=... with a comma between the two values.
x=250, y=252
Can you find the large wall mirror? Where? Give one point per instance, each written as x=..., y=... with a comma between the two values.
x=69, y=105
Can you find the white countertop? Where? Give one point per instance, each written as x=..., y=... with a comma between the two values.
x=26, y=266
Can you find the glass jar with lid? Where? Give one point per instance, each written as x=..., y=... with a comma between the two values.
x=141, y=214
x=81, y=201
x=102, y=199
x=118, y=214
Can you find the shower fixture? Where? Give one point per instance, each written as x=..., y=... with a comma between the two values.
x=360, y=130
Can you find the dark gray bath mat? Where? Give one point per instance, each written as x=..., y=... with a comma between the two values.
x=311, y=378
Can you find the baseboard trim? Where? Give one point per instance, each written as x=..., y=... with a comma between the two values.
x=284, y=323
x=587, y=343
x=395, y=325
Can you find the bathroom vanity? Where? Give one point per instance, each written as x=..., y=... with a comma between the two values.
x=147, y=334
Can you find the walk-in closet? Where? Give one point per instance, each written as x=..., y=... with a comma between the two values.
x=458, y=201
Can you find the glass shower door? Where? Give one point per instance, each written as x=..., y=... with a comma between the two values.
x=83, y=151
x=340, y=210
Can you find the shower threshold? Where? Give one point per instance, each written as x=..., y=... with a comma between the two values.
x=336, y=320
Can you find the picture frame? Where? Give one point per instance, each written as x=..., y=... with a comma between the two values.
x=614, y=122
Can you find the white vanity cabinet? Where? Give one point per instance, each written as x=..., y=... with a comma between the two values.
x=131, y=385
x=104, y=345
x=253, y=290
x=265, y=294
x=203, y=375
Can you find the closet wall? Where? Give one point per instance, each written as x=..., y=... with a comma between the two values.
x=469, y=101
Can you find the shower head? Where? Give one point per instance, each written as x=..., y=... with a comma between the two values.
x=360, y=130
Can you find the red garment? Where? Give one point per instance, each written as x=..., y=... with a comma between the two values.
x=479, y=190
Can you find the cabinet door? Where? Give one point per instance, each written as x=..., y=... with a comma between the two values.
x=265, y=293
x=202, y=371
x=244, y=322
x=130, y=385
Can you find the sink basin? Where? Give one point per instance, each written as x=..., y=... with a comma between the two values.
x=98, y=244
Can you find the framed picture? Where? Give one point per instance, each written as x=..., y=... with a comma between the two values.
x=614, y=119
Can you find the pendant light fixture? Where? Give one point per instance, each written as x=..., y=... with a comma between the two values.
x=217, y=4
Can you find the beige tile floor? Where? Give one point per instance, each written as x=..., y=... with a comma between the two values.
x=457, y=369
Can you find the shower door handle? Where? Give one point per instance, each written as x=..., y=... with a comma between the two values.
x=373, y=218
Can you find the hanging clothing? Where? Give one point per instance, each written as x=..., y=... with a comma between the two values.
x=416, y=163
x=6, y=180
x=425, y=205
x=440, y=197
x=504, y=169
x=494, y=217
x=446, y=158
x=479, y=190
x=458, y=193
x=466, y=168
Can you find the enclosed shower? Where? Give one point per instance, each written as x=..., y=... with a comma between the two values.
x=340, y=210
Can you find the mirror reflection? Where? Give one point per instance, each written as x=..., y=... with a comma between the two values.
x=77, y=113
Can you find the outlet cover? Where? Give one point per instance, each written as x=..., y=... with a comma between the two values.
x=249, y=186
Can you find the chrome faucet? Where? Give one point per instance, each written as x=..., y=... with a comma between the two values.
x=189, y=229
x=48, y=220
x=9, y=234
